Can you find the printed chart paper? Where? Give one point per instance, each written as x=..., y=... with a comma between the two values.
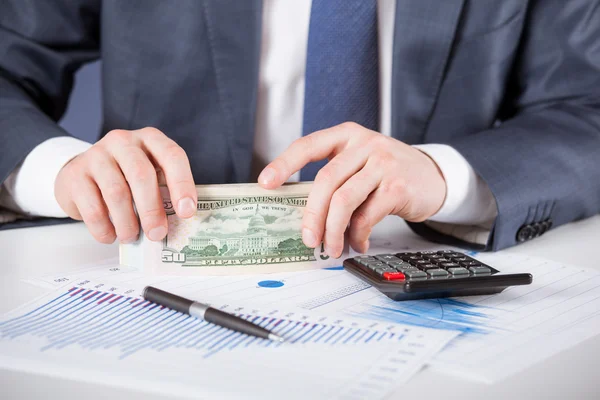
x=104, y=333
x=501, y=334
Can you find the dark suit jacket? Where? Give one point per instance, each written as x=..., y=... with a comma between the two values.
x=513, y=85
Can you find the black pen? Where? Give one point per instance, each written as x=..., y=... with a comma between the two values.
x=207, y=313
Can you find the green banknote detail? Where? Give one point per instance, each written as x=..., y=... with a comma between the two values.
x=245, y=230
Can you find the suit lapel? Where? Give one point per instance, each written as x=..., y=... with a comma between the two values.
x=234, y=32
x=423, y=36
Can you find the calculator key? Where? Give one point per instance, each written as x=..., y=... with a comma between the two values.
x=387, y=257
x=428, y=266
x=480, y=270
x=445, y=251
x=422, y=253
x=379, y=271
x=467, y=264
x=434, y=273
x=460, y=259
x=409, y=268
x=415, y=274
x=420, y=262
x=452, y=255
x=399, y=264
x=414, y=257
x=376, y=264
x=441, y=260
x=458, y=271
x=435, y=256
x=364, y=260
x=449, y=265
x=393, y=276
x=405, y=256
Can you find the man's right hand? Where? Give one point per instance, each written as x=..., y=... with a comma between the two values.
x=119, y=170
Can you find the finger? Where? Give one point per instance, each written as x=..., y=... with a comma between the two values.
x=309, y=148
x=343, y=204
x=378, y=205
x=328, y=180
x=175, y=166
x=64, y=188
x=92, y=209
x=141, y=176
x=116, y=194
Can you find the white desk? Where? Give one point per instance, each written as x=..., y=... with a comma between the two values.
x=574, y=374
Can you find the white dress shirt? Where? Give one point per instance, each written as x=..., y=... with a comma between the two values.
x=469, y=204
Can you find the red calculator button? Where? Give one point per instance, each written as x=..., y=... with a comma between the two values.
x=393, y=276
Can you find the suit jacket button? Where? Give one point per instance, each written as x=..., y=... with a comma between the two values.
x=536, y=229
x=525, y=233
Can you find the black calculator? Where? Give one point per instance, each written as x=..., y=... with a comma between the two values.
x=430, y=274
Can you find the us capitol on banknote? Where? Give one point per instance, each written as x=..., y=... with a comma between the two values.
x=237, y=229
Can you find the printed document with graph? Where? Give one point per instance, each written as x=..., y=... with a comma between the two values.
x=95, y=331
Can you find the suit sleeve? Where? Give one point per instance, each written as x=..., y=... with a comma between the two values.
x=42, y=44
x=542, y=163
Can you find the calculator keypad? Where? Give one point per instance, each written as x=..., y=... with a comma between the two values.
x=443, y=264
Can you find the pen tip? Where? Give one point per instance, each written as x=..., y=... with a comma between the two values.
x=276, y=338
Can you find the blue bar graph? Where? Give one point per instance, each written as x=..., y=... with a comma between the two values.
x=93, y=319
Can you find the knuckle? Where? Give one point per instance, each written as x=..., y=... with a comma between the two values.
x=175, y=153
x=93, y=153
x=360, y=221
x=385, y=161
x=379, y=141
x=119, y=136
x=311, y=216
x=140, y=170
x=118, y=193
x=342, y=198
x=151, y=214
x=349, y=125
x=397, y=187
x=150, y=130
x=73, y=169
x=304, y=144
x=94, y=214
x=326, y=175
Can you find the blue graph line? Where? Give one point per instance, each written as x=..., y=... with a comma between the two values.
x=433, y=313
x=93, y=319
x=36, y=309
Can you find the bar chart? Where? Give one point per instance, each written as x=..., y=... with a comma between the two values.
x=93, y=319
x=99, y=332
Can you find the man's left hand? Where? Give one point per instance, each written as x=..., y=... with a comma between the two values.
x=368, y=177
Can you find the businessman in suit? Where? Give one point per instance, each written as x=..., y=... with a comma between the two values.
x=476, y=121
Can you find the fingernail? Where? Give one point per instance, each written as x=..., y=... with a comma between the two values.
x=267, y=176
x=186, y=207
x=309, y=238
x=157, y=233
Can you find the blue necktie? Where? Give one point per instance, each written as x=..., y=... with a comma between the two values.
x=342, y=72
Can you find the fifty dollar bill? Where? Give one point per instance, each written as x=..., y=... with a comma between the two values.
x=237, y=229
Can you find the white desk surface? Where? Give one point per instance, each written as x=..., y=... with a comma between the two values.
x=573, y=374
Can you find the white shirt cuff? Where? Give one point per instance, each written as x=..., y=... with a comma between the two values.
x=29, y=189
x=469, y=206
